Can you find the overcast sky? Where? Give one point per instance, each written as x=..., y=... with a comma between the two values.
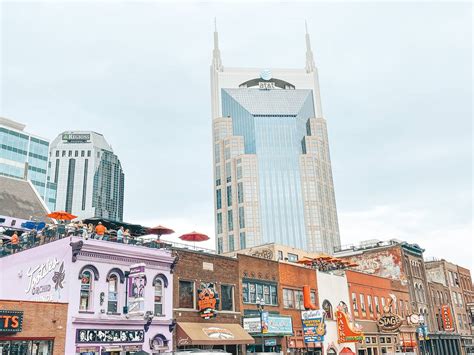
x=396, y=87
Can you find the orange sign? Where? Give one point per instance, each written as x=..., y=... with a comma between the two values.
x=447, y=318
x=208, y=301
x=11, y=321
x=345, y=333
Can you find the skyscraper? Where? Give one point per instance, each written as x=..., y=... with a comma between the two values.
x=272, y=171
x=24, y=155
x=88, y=174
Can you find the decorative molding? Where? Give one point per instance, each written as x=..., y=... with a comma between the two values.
x=92, y=268
x=76, y=248
x=117, y=271
x=163, y=278
x=174, y=263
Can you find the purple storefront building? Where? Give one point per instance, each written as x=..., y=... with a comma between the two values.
x=119, y=296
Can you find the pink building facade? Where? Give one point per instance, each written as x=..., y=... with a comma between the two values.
x=119, y=296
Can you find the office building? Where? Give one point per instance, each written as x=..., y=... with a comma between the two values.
x=272, y=171
x=88, y=175
x=25, y=156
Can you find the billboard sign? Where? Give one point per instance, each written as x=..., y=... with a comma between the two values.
x=314, y=327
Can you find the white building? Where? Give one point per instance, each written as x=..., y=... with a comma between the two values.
x=89, y=176
x=272, y=171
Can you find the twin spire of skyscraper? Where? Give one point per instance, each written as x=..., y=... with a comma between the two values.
x=216, y=53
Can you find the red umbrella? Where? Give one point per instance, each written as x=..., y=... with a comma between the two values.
x=194, y=237
x=160, y=230
x=61, y=215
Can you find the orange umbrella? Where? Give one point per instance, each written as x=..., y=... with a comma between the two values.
x=62, y=215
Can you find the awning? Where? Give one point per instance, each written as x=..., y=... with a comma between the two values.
x=346, y=351
x=211, y=334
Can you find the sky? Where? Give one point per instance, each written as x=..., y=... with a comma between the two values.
x=396, y=87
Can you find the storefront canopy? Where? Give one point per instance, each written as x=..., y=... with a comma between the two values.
x=211, y=334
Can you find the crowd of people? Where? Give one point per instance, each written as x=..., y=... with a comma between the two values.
x=21, y=240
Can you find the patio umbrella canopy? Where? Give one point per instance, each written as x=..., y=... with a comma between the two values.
x=194, y=237
x=160, y=230
x=61, y=215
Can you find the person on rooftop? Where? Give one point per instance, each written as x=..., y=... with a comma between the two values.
x=120, y=233
x=15, y=242
x=100, y=231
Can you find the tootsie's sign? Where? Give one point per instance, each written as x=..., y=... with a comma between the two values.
x=109, y=336
x=11, y=321
x=388, y=322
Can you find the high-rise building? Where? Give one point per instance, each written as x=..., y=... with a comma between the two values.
x=272, y=171
x=88, y=174
x=24, y=155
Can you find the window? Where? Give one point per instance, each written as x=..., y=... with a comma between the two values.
x=251, y=290
x=217, y=153
x=219, y=245
x=231, y=242
x=63, y=153
x=292, y=257
x=69, y=153
x=288, y=301
x=57, y=153
x=243, y=242
x=240, y=192
x=354, y=303
x=383, y=303
x=299, y=301
x=369, y=303
x=377, y=306
x=228, y=172
x=76, y=153
x=239, y=172
x=241, y=217
x=362, y=302
x=158, y=297
x=229, y=196
x=186, y=294
x=112, y=299
x=313, y=297
x=86, y=291
x=219, y=223
x=328, y=309
x=218, y=175
x=230, y=220
x=82, y=153
x=227, y=297
x=88, y=153
x=218, y=199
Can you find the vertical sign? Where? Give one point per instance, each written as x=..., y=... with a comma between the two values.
x=264, y=322
x=447, y=318
x=136, y=289
x=314, y=327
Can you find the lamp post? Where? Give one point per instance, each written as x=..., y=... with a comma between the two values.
x=260, y=307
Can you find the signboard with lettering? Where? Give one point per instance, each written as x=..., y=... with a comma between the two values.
x=345, y=333
x=136, y=289
x=11, y=321
x=266, y=85
x=314, y=327
x=275, y=324
x=110, y=336
x=46, y=280
x=208, y=301
x=76, y=137
x=388, y=322
x=447, y=318
x=252, y=325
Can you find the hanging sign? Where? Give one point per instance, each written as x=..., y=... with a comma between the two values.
x=345, y=333
x=208, y=301
x=447, y=318
x=136, y=289
x=388, y=322
x=314, y=327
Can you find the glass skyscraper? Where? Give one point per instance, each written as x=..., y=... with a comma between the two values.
x=25, y=156
x=88, y=174
x=272, y=170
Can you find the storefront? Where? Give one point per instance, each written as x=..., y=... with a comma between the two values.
x=275, y=337
x=32, y=328
x=226, y=337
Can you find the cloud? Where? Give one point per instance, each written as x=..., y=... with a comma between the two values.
x=437, y=236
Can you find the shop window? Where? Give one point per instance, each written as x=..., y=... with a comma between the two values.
x=227, y=297
x=112, y=300
x=86, y=291
x=158, y=297
x=186, y=294
x=327, y=306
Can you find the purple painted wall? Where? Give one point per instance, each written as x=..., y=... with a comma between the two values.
x=47, y=273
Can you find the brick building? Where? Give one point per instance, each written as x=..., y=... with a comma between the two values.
x=39, y=327
x=292, y=279
x=373, y=298
x=200, y=277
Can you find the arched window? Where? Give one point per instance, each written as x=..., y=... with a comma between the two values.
x=328, y=309
x=112, y=299
x=160, y=282
x=86, y=278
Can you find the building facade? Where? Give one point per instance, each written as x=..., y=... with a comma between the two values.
x=272, y=169
x=119, y=296
x=89, y=176
x=32, y=327
x=207, y=309
x=25, y=156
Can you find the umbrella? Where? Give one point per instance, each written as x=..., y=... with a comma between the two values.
x=62, y=215
x=160, y=230
x=194, y=237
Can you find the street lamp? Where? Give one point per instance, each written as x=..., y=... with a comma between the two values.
x=260, y=307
